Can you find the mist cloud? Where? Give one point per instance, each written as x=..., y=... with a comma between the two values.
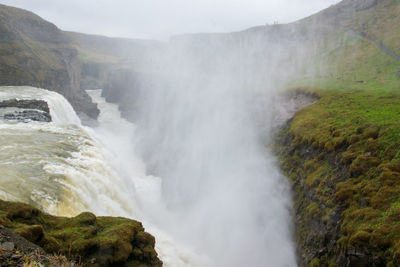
x=159, y=19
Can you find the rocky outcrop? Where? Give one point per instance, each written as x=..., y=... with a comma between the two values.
x=25, y=104
x=345, y=178
x=35, y=52
x=116, y=65
x=25, y=110
x=17, y=251
x=317, y=217
x=315, y=174
x=94, y=241
x=27, y=115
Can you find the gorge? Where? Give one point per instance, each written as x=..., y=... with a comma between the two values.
x=273, y=146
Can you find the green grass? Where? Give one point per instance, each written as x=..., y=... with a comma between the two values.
x=362, y=128
x=361, y=124
x=356, y=121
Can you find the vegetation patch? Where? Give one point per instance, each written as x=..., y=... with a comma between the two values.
x=342, y=156
x=94, y=241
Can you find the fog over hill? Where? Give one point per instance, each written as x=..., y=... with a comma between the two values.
x=159, y=20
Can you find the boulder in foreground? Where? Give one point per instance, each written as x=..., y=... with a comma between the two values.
x=94, y=241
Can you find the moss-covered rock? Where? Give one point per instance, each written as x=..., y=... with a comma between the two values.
x=362, y=164
x=95, y=241
x=346, y=196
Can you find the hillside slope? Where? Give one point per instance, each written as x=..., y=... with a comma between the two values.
x=342, y=153
x=367, y=54
x=35, y=52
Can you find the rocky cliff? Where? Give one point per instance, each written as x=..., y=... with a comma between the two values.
x=342, y=156
x=35, y=52
x=119, y=66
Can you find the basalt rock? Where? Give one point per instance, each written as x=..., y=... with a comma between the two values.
x=25, y=104
x=25, y=110
x=27, y=115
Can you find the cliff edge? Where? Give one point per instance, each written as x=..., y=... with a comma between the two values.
x=35, y=52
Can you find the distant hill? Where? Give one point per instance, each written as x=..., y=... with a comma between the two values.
x=35, y=52
x=354, y=43
x=350, y=44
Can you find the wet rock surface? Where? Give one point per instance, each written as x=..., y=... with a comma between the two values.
x=25, y=110
x=317, y=220
x=27, y=115
x=25, y=104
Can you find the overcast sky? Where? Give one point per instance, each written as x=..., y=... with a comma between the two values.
x=159, y=19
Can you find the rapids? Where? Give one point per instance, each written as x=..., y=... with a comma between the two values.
x=65, y=168
x=57, y=166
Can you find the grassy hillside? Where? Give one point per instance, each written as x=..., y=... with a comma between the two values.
x=365, y=53
x=35, y=52
x=101, y=49
x=343, y=152
x=26, y=54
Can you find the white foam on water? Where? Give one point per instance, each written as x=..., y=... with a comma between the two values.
x=117, y=134
x=65, y=168
x=58, y=166
x=60, y=109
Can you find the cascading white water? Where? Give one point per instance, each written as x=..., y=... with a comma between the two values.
x=65, y=168
x=219, y=199
x=57, y=166
x=118, y=135
x=60, y=110
x=197, y=130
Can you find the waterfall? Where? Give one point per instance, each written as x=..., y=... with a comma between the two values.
x=204, y=120
x=65, y=168
x=226, y=209
x=57, y=166
x=118, y=136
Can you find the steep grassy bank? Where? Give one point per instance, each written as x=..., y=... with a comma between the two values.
x=342, y=152
x=342, y=156
x=91, y=240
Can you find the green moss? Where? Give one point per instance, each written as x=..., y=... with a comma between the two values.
x=313, y=210
x=316, y=175
x=315, y=263
x=360, y=238
x=109, y=240
x=358, y=174
x=362, y=164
